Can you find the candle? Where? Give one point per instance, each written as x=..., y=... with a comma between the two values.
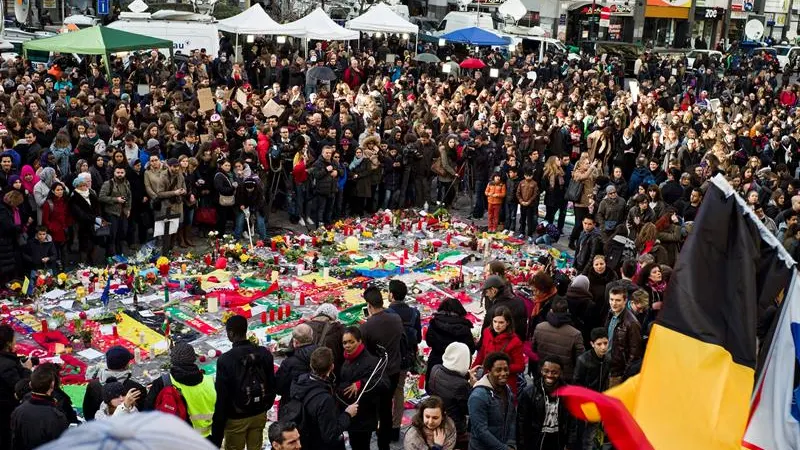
x=288, y=311
x=402, y=262
x=424, y=332
x=302, y=242
x=419, y=225
x=405, y=253
x=302, y=299
x=114, y=331
x=416, y=246
x=314, y=241
x=274, y=276
x=213, y=304
x=183, y=268
x=461, y=270
x=280, y=313
x=272, y=315
x=276, y=259
x=449, y=238
x=326, y=272
x=421, y=382
x=44, y=326
x=223, y=299
x=274, y=246
x=263, y=317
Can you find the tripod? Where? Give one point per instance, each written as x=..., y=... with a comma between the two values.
x=276, y=177
x=467, y=183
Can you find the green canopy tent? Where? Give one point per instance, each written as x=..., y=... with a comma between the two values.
x=97, y=40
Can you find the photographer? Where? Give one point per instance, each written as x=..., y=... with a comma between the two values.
x=115, y=195
x=411, y=156
x=422, y=168
x=483, y=162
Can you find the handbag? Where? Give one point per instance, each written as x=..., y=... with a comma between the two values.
x=226, y=200
x=102, y=230
x=438, y=168
x=206, y=215
x=574, y=191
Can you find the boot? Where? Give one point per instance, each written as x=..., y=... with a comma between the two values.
x=180, y=237
x=187, y=233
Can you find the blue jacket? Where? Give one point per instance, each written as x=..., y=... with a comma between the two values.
x=641, y=176
x=491, y=428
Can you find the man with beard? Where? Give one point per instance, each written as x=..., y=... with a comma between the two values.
x=492, y=415
x=166, y=188
x=115, y=195
x=543, y=421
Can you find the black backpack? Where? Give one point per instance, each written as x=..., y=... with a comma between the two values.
x=408, y=343
x=295, y=411
x=618, y=249
x=252, y=392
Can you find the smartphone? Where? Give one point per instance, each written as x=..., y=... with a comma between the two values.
x=365, y=312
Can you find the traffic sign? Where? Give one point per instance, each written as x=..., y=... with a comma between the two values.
x=102, y=7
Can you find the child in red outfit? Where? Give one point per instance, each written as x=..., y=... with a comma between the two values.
x=495, y=194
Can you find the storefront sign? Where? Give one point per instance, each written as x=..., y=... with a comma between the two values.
x=620, y=10
x=672, y=3
x=776, y=6
x=709, y=13
x=51, y=4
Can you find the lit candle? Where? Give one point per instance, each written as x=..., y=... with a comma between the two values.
x=288, y=311
x=44, y=326
x=274, y=246
x=302, y=299
x=213, y=304
x=405, y=253
x=302, y=242
x=419, y=225
x=402, y=262
x=263, y=317
x=276, y=259
x=280, y=313
x=114, y=331
x=449, y=238
x=416, y=246
x=272, y=315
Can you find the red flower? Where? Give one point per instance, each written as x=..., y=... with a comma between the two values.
x=82, y=315
x=260, y=244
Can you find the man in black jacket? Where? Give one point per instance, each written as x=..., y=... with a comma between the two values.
x=543, y=421
x=323, y=424
x=591, y=371
x=411, y=326
x=38, y=420
x=12, y=370
x=494, y=289
x=325, y=177
x=297, y=362
x=382, y=333
x=239, y=423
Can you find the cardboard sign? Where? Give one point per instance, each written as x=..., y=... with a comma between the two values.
x=206, y=99
x=272, y=108
x=241, y=97
x=714, y=104
x=205, y=138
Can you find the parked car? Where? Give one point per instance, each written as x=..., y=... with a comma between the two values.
x=786, y=54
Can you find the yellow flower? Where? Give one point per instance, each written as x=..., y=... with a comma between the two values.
x=244, y=257
x=189, y=255
x=366, y=234
x=62, y=277
x=15, y=286
x=238, y=247
x=162, y=261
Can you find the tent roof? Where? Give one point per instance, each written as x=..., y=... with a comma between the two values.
x=381, y=18
x=318, y=25
x=254, y=20
x=96, y=40
x=475, y=36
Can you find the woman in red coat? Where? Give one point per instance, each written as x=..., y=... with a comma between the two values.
x=500, y=337
x=56, y=217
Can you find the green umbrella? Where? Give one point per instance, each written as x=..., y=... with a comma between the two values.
x=427, y=58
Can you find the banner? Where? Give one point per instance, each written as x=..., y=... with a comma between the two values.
x=673, y=3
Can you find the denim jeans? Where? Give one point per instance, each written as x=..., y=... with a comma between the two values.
x=529, y=219
x=239, y=224
x=300, y=199
x=119, y=231
x=324, y=209
x=390, y=199
x=511, y=215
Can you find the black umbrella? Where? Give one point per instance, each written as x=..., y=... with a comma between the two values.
x=321, y=73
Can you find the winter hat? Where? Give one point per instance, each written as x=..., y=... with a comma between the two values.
x=152, y=143
x=327, y=310
x=142, y=431
x=581, y=282
x=112, y=389
x=182, y=354
x=117, y=357
x=494, y=281
x=456, y=358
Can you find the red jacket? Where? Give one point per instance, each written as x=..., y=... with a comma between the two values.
x=262, y=147
x=57, y=219
x=788, y=98
x=504, y=342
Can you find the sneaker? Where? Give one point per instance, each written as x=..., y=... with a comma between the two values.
x=310, y=222
x=521, y=236
x=302, y=222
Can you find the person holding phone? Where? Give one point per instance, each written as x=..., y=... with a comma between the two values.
x=115, y=197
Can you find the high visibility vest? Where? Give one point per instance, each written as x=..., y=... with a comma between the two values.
x=200, y=401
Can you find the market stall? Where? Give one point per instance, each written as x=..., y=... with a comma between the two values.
x=317, y=25
x=255, y=21
x=381, y=19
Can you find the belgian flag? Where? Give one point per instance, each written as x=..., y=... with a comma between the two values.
x=697, y=377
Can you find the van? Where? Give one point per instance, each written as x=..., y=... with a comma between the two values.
x=187, y=31
x=457, y=20
x=540, y=45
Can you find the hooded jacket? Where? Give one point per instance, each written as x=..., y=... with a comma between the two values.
x=492, y=421
x=557, y=337
x=189, y=375
x=453, y=388
x=94, y=391
x=444, y=329
x=323, y=424
x=297, y=362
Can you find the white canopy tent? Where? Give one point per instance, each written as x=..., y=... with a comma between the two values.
x=380, y=18
x=318, y=25
x=254, y=20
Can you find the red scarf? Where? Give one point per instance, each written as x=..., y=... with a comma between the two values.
x=538, y=300
x=354, y=355
x=648, y=246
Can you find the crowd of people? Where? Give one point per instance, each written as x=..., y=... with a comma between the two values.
x=89, y=164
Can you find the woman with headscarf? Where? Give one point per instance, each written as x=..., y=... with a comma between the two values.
x=85, y=208
x=47, y=176
x=99, y=172
x=28, y=178
x=10, y=229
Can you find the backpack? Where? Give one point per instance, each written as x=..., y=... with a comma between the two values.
x=408, y=343
x=170, y=400
x=252, y=392
x=295, y=411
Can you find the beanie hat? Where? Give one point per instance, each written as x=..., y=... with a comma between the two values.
x=141, y=431
x=581, y=282
x=182, y=354
x=327, y=310
x=118, y=357
x=152, y=143
x=456, y=358
x=112, y=389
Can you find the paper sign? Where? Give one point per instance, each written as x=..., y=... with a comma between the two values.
x=634, y=87
x=54, y=294
x=146, y=313
x=241, y=97
x=390, y=57
x=90, y=354
x=206, y=99
x=162, y=227
x=143, y=89
x=532, y=75
x=65, y=304
x=714, y=104
x=272, y=108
